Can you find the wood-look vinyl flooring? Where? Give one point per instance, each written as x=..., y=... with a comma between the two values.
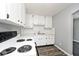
x=50, y=51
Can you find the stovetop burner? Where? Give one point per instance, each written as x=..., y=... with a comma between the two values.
x=20, y=40
x=29, y=39
x=7, y=51
x=24, y=48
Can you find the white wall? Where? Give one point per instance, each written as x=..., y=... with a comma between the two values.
x=64, y=28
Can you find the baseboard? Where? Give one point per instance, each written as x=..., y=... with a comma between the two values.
x=46, y=45
x=63, y=50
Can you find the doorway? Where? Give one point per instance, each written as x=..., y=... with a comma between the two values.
x=76, y=33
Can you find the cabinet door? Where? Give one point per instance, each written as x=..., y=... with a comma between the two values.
x=37, y=40
x=29, y=21
x=22, y=14
x=50, y=39
x=35, y=19
x=13, y=11
x=41, y=20
x=3, y=13
x=48, y=22
x=16, y=13
x=41, y=40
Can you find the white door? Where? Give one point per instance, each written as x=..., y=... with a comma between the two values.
x=14, y=11
x=76, y=37
x=76, y=29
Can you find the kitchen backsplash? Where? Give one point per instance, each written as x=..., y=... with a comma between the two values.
x=37, y=30
x=7, y=35
x=6, y=27
x=40, y=30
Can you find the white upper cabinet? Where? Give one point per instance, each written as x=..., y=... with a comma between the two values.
x=41, y=20
x=38, y=20
x=13, y=13
x=48, y=22
x=29, y=21
x=35, y=19
x=3, y=13
x=23, y=14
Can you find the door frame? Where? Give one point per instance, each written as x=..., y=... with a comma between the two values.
x=72, y=34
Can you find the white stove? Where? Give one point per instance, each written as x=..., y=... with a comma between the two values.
x=13, y=43
x=32, y=52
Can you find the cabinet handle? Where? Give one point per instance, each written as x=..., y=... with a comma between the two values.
x=18, y=20
x=21, y=22
x=7, y=16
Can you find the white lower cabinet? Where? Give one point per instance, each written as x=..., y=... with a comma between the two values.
x=44, y=40
x=12, y=10
x=50, y=40
x=41, y=40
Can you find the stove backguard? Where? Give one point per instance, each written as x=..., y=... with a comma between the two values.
x=7, y=35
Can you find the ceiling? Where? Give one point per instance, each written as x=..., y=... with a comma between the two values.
x=49, y=9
